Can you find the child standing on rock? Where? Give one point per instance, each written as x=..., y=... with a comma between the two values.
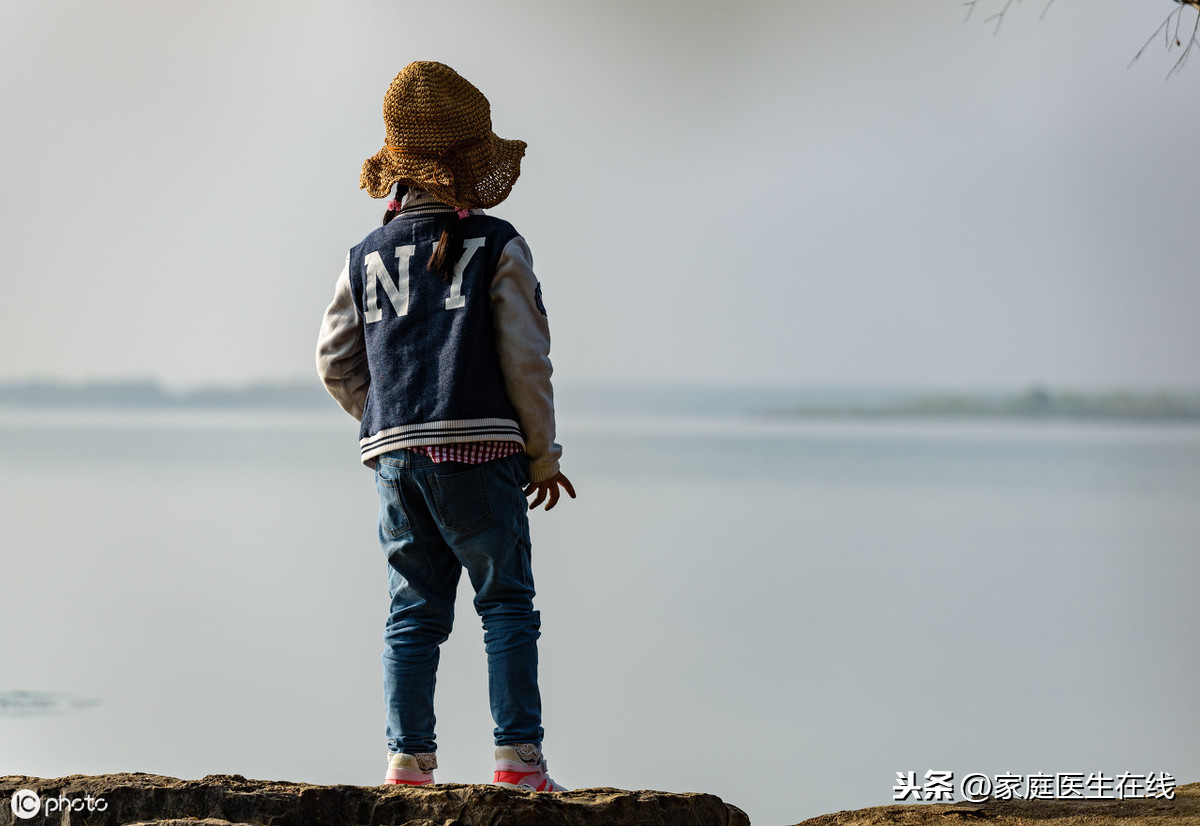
x=437, y=341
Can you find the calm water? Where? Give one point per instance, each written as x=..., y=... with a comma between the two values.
x=784, y=614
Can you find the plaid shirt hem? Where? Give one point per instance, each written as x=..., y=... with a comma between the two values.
x=468, y=453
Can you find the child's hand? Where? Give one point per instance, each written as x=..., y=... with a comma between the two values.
x=549, y=488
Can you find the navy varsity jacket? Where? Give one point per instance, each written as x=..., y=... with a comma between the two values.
x=422, y=361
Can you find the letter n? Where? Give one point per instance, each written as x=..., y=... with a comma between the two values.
x=377, y=274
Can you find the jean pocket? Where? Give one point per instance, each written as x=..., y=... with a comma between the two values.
x=393, y=519
x=461, y=499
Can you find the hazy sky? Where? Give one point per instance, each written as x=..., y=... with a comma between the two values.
x=772, y=192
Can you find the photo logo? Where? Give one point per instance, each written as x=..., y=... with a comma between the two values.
x=26, y=804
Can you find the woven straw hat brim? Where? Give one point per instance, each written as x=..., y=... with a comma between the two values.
x=478, y=175
x=440, y=139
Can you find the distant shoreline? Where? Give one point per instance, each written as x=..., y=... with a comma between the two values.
x=1036, y=403
x=151, y=395
x=771, y=403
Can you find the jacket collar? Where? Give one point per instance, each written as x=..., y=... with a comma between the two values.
x=419, y=202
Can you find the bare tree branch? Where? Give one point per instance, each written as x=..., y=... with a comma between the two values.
x=1172, y=28
x=1171, y=39
x=999, y=16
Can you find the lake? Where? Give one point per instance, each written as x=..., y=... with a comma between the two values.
x=783, y=613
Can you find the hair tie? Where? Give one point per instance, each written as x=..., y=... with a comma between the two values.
x=394, y=205
x=463, y=213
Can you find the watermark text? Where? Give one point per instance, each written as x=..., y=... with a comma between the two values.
x=27, y=804
x=940, y=786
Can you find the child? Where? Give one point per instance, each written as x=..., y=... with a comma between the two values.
x=437, y=341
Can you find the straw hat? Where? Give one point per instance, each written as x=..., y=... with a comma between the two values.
x=440, y=139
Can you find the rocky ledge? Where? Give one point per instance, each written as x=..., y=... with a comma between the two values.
x=1184, y=810
x=231, y=800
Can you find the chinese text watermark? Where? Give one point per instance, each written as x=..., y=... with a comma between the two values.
x=975, y=787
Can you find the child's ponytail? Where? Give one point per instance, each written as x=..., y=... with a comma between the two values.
x=393, y=207
x=449, y=245
x=448, y=249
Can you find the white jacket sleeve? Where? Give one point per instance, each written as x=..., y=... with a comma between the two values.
x=523, y=342
x=342, y=350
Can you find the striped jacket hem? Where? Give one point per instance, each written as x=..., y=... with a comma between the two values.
x=439, y=433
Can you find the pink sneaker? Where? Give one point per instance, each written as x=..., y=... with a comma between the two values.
x=523, y=767
x=410, y=769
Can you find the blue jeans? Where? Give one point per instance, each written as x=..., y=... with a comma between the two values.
x=435, y=521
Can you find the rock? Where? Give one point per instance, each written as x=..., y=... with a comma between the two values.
x=232, y=800
x=208, y=821
x=1184, y=810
